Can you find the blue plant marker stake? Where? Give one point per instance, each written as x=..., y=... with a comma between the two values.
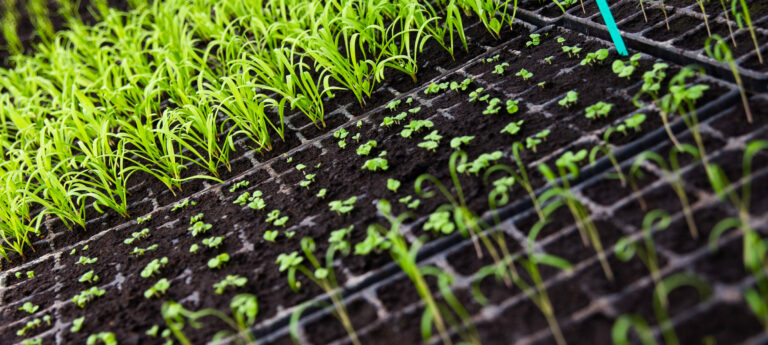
x=612, y=28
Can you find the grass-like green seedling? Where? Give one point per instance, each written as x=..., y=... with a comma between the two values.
x=87, y=296
x=635, y=123
x=599, y=109
x=275, y=219
x=239, y=185
x=463, y=86
x=199, y=227
x=457, y=142
x=626, y=249
x=493, y=107
x=77, y=324
x=343, y=206
x=513, y=127
x=89, y=277
x=512, y=106
x=182, y=204
x=158, y=289
x=605, y=148
x=534, y=41
x=393, y=185
x=742, y=13
x=153, y=267
x=720, y=52
x=500, y=68
x=138, y=235
x=523, y=73
x=213, y=242
x=570, y=99
x=435, y=88
x=595, y=57
x=572, y=51
x=218, y=261
x=144, y=219
x=234, y=281
x=626, y=69
x=365, y=149
x=244, y=309
x=29, y=307
x=84, y=260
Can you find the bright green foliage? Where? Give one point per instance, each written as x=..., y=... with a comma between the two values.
x=480, y=163
x=29, y=307
x=239, y=185
x=158, y=289
x=343, y=207
x=86, y=296
x=435, y=88
x=89, y=277
x=492, y=58
x=153, y=267
x=182, y=204
x=213, y=242
x=218, y=261
x=523, y=73
x=463, y=86
x=229, y=281
x=275, y=219
x=513, y=127
x=270, y=235
x=376, y=164
x=500, y=68
x=633, y=122
x=144, y=219
x=571, y=98
x=571, y=51
x=374, y=243
x=77, y=324
x=535, y=40
x=287, y=261
x=199, y=227
x=626, y=69
x=410, y=202
x=365, y=149
x=493, y=106
x=86, y=260
x=393, y=184
x=441, y=222
x=457, y=142
x=599, y=109
x=196, y=218
x=321, y=193
x=138, y=235
x=512, y=106
x=392, y=105
x=477, y=95
x=415, y=126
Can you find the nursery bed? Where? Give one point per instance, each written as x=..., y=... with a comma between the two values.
x=383, y=305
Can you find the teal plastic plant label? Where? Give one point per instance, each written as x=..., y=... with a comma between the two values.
x=605, y=10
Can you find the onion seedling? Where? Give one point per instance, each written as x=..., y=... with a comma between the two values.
x=567, y=169
x=322, y=274
x=671, y=173
x=720, y=52
x=744, y=14
x=244, y=308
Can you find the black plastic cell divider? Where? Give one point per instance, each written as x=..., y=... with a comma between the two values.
x=435, y=247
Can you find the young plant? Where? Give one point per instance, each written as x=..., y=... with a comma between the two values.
x=89, y=277
x=365, y=149
x=605, y=148
x=598, y=56
x=463, y=86
x=243, y=307
x=239, y=185
x=523, y=73
x=571, y=50
x=153, y=267
x=534, y=41
x=626, y=249
x=513, y=127
x=457, y=142
x=743, y=13
x=29, y=307
x=720, y=52
x=635, y=122
x=626, y=69
x=376, y=164
x=493, y=107
x=599, y=109
x=500, y=68
x=275, y=219
x=435, y=88
x=218, y=261
x=86, y=296
x=230, y=281
x=158, y=289
x=136, y=236
x=479, y=164
x=512, y=106
x=107, y=338
x=199, y=227
x=343, y=206
x=77, y=324
x=393, y=185
x=416, y=126
x=570, y=99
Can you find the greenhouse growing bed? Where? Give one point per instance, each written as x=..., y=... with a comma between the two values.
x=528, y=189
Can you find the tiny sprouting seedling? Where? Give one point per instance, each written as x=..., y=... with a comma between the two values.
x=242, y=199
x=599, y=109
x=410, y=202
x=29, y=307
x=570, y=99
x=300, y=167
x=308, y=180
x=500, y=68
x=409, y=100
x=72, y=252
x=431, y=141
x=435, y=88
x=534, y=41
x=256, y=202
x=390, y=121
x=244, y=309
x=366, y=148
x=153, y=267
x=598, y=56
x=343, y=207
x=392, y=105
x=89, y=277
x=512, y=106
x=625, y=69
x=635, y=123
x=213, y=242
x=720, y=52
x=744, y=14
x=218, y=261
x=144, y=219
x=479, y=164
x=533, y=141
x=77, y=324
x=321, y=193
x=626, y=249
x=393, y=185
x=476, y=95
x=320, y=273
x=523, y=73
x=376, y=164
x=542, y=84
x=270, y=235
x=196, y=218
x=414, y=110
x=571, y=50
x=492, y=59
x=355, y=137
x=158, y=289
x=138, y=235
x=275, y=219
x=493, y=106
x=31, y=274
x=341, y=134
x=33, y=341
x=513, y=127
x=548, y=59
x=441, y=222
x=605, y=148
x=86, y=296
x=199, y=227
x=234, y=281
x=182, y=204
x=108, y=338
x=358, y=124
x=457, y=142
x=560, y=40
x=415, y=126
x=83, y=260
x=288, y=160
x=460, y=86
x=290, y=234
x=194, y=248
x=239, y=185
x=34, y=323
